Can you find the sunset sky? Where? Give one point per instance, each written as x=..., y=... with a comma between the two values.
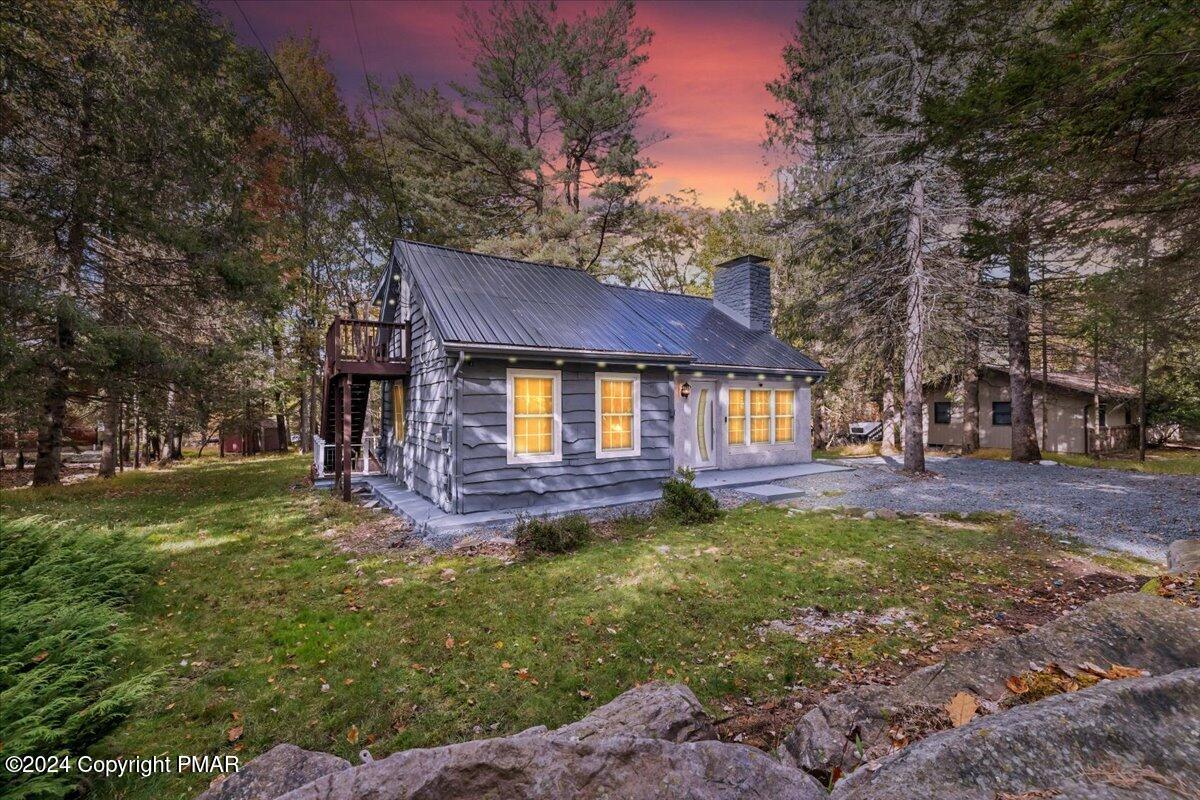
x=708, y=65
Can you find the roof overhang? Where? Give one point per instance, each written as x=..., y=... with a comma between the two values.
x=502, y=351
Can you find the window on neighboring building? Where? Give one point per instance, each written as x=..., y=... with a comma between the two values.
x=1002, y=413
x=737, y=416
x=1103, y=415
x=398, y=411
x=760, y=416
x=534, y=415
x=1128, y=415
x=785, y=416
x=941, y=413
x=618, y=414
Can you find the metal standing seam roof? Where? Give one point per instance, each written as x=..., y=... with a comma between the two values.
x=714, y=338
x=486, y=300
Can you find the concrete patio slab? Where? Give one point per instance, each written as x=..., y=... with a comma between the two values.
x=442, y=529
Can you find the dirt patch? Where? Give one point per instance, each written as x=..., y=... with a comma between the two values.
x=764, y=724
x=381, y=534
x=11, y=478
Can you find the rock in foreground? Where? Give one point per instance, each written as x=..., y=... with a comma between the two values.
x=1184, y=556
x=1119, y=740
x=277, y=771
x=551, y=768
x=1136, y=630
x=667, y=711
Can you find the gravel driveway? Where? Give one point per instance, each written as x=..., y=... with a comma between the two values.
x=1131, y=512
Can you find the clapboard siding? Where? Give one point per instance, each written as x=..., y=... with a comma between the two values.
x=488, y=481
x=423, y=461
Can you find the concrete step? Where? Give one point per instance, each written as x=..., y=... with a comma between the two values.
x=771, y=492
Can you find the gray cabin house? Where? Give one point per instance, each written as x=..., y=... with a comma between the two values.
x=530, y=386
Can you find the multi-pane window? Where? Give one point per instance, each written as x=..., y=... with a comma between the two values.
x=737, y=416
x=762, y=416
x=534, y=423
x=941, y=413
x=618, y=397
x=785, y=416
x=1001, y=413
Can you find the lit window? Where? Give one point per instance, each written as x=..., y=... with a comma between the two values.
x=737, y=416
x=618, y=412
x=534, y=416
x=785, y=416
x=760, y=416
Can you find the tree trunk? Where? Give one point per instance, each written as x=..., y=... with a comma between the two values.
x=819, y=439
x=1096, y=448
x=47, y=470
x=914, y=334
x=970, y=394
x=280, y=420
x=108, y=439
x=1024, y=432
x=1142, y=393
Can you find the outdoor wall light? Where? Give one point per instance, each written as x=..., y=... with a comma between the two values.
x=762, y=377
x=512, y=359
x=698, y=374
x=730, y=375
x=641, y=366
x=808, y=379
x=601, y=364
x=558, y=362
x=685, y=390
x=788, y=378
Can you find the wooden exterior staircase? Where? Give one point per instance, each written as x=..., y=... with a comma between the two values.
x=357, y=352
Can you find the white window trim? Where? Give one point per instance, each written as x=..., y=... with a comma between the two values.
x=636, y=450
x=746, y=445
x=556, y=428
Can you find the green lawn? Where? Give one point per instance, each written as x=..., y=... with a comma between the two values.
x=256, y=621
x=1162, y=461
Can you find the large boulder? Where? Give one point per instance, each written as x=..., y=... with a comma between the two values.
x=554, y=767
x=277, y=771
x=1184, y=556
x=1118, y=740
x=655, y=710
x=1136, y=630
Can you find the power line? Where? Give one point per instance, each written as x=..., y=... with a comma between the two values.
x=375, y=113
x=303, y=113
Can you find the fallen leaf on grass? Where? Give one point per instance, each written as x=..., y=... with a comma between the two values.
x=352, y=735
x=961, y=708
x=449, y=642
x=234, y=733
x=1016, y=684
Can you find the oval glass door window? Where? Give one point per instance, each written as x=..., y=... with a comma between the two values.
x=702, y=424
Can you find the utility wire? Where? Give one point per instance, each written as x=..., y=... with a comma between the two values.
x=375, y=113
x=303, y=113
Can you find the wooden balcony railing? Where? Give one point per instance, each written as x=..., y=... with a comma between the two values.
x=367, y=347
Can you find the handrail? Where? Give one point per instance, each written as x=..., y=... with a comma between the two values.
x=363, y=341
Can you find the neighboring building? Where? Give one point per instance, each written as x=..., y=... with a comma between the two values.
x=262, y=436
x=1069, y=413
x=513, y=385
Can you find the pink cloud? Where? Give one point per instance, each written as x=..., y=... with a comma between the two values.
x=709, y=64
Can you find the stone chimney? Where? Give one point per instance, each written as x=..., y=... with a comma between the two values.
x=742, y=290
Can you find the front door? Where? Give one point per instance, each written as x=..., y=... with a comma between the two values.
x=696, y=442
